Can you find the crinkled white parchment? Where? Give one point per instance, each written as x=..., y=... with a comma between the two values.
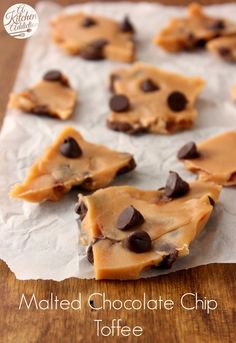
x=42, y=240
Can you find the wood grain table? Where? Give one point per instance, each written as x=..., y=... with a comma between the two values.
x=177, y=325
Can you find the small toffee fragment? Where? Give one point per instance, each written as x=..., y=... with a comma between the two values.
x=139, y=242
x=119, y=103
x=188, y=151
x=175, y=186
x=70, y=148
x=177, y=101
x=129, y=218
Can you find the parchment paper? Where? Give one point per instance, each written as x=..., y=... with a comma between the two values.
x=42, y=241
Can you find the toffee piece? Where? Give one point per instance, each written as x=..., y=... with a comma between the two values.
x=148, y=99
x=217, y=159
x=94, y=37
x=52, y=96
x=164, y=233
x=224, y=48
x=71, y=161
x=193, y=31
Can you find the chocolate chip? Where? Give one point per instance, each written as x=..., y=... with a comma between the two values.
x=131, y=165
x=129, y=218
x=89, y=253
x=88, y=22
x=168, y=260
x=188, y=151
x=70, y=148
x=175, y=186
x=94, y=51
x=149, y=86
x=211, y=201
x=224, y=52
x=119, y=103
x=217, y=25
x=139, y=242
x=81, y=209
x=126, y=25
x=53, y=76
x=177, y=101
x=200, y=43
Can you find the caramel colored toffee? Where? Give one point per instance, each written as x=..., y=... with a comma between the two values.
x=129, y=230
x=224, y=48
x=71, y=161
x=148, y=99
x=193, y=31
x=215, y=159
x=52, y=96
x=94, y=38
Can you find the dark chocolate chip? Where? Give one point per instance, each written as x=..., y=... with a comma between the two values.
x=200, y=43
x=89, y=253
x=125, y=127
x=81, y=209
x=149, y=86
x=88, y=22
x=188, y=151
x=139, y=242
x=53, y=76
x=175, y=186
x=70, y=148
x=217, y=25
x=94, y=51
x=224, y=52
x=113, y=78
x=129, y=218
x=211, y=201
x=126, y=25
x=119, y=103
x=168, y=260
x=131, y=165
x=177, y=101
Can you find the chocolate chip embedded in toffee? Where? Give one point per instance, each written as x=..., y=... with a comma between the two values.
x=188, y=151
x=129, y=218
x=177, y=101
x=139, y=242
x=81, y=209
x=217, y=25
x=70, y=148
x=88, y=22
x=53, y=76
x=94, y=51
x=126, y=25
x=119, y=103
x=211, y=201
x=89, y=253
x=168, y=260
x=149, y=86
x=175, y=186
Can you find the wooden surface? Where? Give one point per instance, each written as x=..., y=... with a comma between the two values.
x=177, y=325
